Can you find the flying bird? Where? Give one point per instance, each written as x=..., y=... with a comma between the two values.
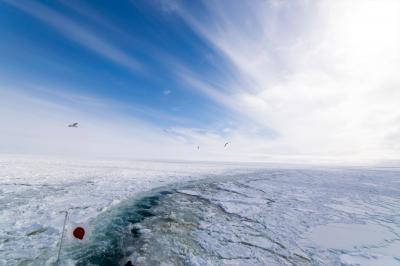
x=226, y=144
x=73, y=125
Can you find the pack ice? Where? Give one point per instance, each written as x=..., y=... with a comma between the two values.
x=205, y=214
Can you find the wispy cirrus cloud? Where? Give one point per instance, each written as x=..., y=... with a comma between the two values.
x=321, y=74
x=302, y=80
x=77, y=33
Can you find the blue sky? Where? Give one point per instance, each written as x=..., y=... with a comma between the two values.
x=283, y=80
x=127, y=55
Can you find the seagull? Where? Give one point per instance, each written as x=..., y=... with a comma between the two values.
x=226, y=144
x=73, y=125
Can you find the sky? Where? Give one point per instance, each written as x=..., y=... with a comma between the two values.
x=284, y=81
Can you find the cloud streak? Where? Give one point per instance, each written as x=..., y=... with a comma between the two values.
x=322, y=74
x=79, y=34
x=306, y=81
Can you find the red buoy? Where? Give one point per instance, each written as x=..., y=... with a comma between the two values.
x=79, y=233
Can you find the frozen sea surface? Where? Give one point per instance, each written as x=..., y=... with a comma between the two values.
x=35, y=193
x=198, y=214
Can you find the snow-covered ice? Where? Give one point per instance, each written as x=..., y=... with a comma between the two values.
x=177, y=213
x=349, y=236
x=278, y=217
x=35, y=193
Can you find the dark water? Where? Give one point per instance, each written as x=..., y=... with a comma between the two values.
x=113, y=232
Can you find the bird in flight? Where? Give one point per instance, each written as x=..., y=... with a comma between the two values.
x=73, y=125
x=226, y=144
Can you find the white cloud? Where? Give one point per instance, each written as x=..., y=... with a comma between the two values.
x=166, y=92
x=323, y=74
